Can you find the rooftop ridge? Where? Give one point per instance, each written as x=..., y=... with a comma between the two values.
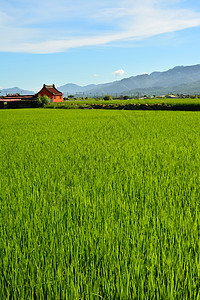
x=49, y=85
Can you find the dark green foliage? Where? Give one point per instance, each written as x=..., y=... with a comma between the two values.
x=107, y=97
x=42, y=101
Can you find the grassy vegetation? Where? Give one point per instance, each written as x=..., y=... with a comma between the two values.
x=158, y=103
x=99, y=204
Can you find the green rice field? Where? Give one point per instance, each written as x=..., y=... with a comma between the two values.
x=99, y=204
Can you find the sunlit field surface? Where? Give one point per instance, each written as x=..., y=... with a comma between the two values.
x=98, y=204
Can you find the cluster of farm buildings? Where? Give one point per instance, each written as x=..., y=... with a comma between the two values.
x=19, y=101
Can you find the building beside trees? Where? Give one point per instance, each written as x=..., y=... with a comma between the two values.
x=51, y=92
x=28, y=101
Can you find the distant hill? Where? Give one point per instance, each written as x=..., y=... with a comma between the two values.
x=71, y=88
x=181, y=79
x=178, y=80
x=15, y=90
x=186, y=89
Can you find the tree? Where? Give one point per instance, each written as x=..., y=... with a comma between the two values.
x=42, y=101
x=107, y=97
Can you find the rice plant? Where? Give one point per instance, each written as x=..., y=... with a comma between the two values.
x=99, y=204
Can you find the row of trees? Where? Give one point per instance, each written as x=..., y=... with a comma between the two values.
x=106, y=97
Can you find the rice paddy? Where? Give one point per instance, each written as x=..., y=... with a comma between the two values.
x=99, y=204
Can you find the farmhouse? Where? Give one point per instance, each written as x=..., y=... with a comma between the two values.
x=27, y=101
x=51, y=91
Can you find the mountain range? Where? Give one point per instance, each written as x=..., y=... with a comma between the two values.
x=15, y=90
x=180, y=79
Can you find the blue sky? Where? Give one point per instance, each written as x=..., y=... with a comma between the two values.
x=86, y=42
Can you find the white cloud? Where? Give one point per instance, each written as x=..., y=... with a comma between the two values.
x=119, y=72
x=94, y=23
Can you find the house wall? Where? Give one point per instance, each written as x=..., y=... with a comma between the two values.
x=22, y=104
x=58, y=98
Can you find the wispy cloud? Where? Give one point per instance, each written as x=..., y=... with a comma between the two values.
x=49, y=27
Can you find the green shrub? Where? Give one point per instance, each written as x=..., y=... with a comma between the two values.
x=107, y=97
x=42, y=101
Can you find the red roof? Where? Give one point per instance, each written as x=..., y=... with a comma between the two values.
x=16, y=98
x=52, y=89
